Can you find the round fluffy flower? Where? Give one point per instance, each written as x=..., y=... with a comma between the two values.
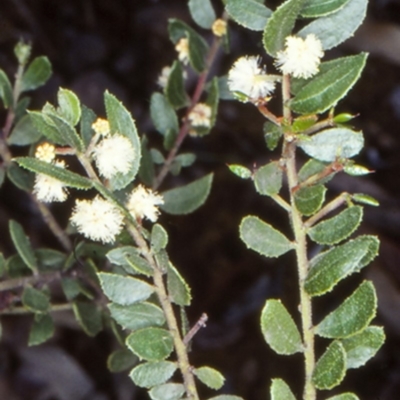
x=182, y=47
x=46, y=152
x=301, y=57
x=97, y=219
x=101, y=126
x=114, y=154
x=142, y=203
x=49, y=189
x=200, y=115
x=247, y=77
x=219, y=27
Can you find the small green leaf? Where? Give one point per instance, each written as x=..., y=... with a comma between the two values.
x=159, y=238
x=339, y=26
x=344, y=396
x=168, y=391
x=16, y=268
x=365, y=199
x=268, y=179
x=280, y=390
x=124, y=290
x=328, y=268
x=67, y=132
x=23, y=245
x=279, y=329
x=330, y=85
x=88, y=316
x=69, y=106
x=186, y=199
x=50, y=260
x=272, y=134
x=202, y=13
x=320, y=8
x=280, y=25
x=263, y=238
x=338, y=228
x=178, y=289
x=210, y=377
x=46, y=126
x=42, y=329
x=312, y=168
x=309, y=199
x=121, y=360
x=37, y=74
x=251, y=14
x=352, y=316
x=363, y=346
x=67, y=177
x=175, y=89
x=162, y=114
x=129, y=257
x=331, y=367
x=333, y=143
x=87, y=118
x=35, y=300
x=151, y=374
x=71, y=288
x=240, y=171
x=146, y=169
x=356, y=170
x=137, y=316
x=151, y=344
x=24, y=133
x=6, y=91
x=342, y=118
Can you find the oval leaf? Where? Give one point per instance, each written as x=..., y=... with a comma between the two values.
x=124, y=290
x=175, y=89
x=338, y=228
x=320, y=8
x=152, y=374
x=129, y=258
x=69, y=106
x=263, y=238
x=168, y=391
x=331, y=367
x=88, y=316
x=178, y=289
x=185, y=199
x=6, y=91
x=151, y=344
x=240, y=171
x=210, y=377
x=202, y=13
x=280, y=390
x=159, y=238
x=24, y=133
x=279, y=329
x=37, y=74
x=35, y=300
x=268, y=179
x=334, y=143
x=249, y=13
x=352, y=316
x=121, y=360
x=309, y=200
x=42, y=329
x=162, y=114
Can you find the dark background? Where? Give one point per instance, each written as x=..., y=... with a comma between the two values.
x=122, y=46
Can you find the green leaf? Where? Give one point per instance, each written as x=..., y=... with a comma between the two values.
x=202, y=13
x=71, y=288
x=330, y=85
x=338, y=228
x=22, y=179
x=69, y=106
x=280, y=390
x=338, y=27
x=272, y=134
x=309, y=199
x=121, y=360
x=88, y=316
x=162, y=114
x=178, y=289
x=37, y=74
x=263, y=238
x=210, y=377
x=124, y=290
x=186, y=199
x=279, y=329
x=333, y=143
x=168, y=391
x=67, y=132
x=365, y=199
x=23, y=245
x=35, y=300
x=122, y=122
x=159, y=238
x=240, y=171
x=344, y=396
x=128, y=256
x=146, y=169
x=328, y=268
x=24, y=133
x=320, y=8
x=352, y=316
x=268, y=179
x=151, y=344
x=46, y=126
x=42, y=329
x=67, y=177
x=6, y=91
x=175, y=89
x=312, y=168
x=280, y=26
x=356, y=170
x=137, y=316
x=16, y=268
x=152, y=374
x=88, y=117
x=251, y=14
x=50, y=260
x=331, y=367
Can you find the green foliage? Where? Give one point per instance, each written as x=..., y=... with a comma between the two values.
x=280, y=390
x=202, y=12
x=37, y=74
x=321, y=8
x=42, y=329
x=167, y=391
x=152, y=374
x=268, y=179
x=69, y=106
x=88, y=316
x=121, y=360
x=35, y=300
x=174, y=91
x=129, y=258
x=162, y=114
x=178, y=289
x=240, y=171
x=309, y=200
x=210, y=377
x=6, y=93
x=24, y=133
x=251, y=14
x=159, y=238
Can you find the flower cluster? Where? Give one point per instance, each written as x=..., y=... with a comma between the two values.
x=200, y=115
x=182, y=47
x=142, y=203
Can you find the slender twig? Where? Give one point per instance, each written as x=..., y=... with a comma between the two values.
x=318, y=126
x=283, y=203
x=201, y=323
x=268, y=114
x=16, y=283
x=22, y=310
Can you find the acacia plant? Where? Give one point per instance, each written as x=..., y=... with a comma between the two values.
x=121, y=273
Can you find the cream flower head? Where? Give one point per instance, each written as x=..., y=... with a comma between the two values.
x=219, y=27
x=142, y=203
x=182, y=47
x=97, y=219
x=200, y=115
x=46, y=152
x=301, y=57
x=101, y=126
